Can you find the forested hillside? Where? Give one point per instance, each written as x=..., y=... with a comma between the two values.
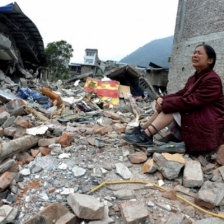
x=157, y=51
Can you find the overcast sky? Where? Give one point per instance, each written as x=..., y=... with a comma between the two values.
x=115, y=27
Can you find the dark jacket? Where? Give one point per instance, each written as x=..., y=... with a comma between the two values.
x=201, y=105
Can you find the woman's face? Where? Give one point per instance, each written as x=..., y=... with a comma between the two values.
x=200, y=59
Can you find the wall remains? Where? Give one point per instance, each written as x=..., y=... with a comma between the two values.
x=196, y=22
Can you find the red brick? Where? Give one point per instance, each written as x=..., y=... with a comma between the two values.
x=139, y=157
x=5, y=180
x=22, y=122
x=65, y=140
x=45, y=150
x=203, y=204
x=34, y=152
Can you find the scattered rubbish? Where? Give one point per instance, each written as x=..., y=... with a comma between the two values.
x=40, y=130
x=30, y=95
x=55, y=98
x=61, y=141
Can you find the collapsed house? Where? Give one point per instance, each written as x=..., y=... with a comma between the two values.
x=21, y=45
x=157, y=76
x=149, y=81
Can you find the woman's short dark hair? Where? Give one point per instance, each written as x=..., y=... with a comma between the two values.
x=210, y=52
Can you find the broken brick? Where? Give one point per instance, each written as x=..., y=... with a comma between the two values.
x=44, y=150
x=139, y=157
x=5, y=180
x=65, y=140
x=34, y=152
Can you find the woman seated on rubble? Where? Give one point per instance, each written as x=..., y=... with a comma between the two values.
x=198, y=108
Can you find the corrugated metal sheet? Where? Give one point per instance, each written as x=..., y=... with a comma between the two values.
x=24, y=33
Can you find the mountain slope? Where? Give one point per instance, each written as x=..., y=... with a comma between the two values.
x=156, y=51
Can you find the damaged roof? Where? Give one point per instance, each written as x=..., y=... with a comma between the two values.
x=123, y=71
x=23, y=33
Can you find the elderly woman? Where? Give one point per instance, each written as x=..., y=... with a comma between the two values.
x=198, y=108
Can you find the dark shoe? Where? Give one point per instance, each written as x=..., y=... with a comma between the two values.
x=134, y=131
x=170, y=147
x=139, y=139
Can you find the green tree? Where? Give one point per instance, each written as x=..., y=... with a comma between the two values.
x=58, y=56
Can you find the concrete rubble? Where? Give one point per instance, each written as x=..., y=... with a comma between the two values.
x=51, y=159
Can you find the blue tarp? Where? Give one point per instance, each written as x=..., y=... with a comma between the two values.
x=6, y=8
x=30, y=95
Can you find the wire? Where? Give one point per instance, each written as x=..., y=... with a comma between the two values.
x=157, y=186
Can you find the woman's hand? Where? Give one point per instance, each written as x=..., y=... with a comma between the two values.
x=159, y=102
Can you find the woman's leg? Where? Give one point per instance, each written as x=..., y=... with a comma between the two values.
x=161, y=121
x=144, y=137
x=152, y=118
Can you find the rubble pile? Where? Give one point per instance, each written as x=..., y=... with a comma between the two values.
x=53, y=158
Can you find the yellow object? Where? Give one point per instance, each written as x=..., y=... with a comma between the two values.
x=107, y=91
x=157, y=186
x=174, y=157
